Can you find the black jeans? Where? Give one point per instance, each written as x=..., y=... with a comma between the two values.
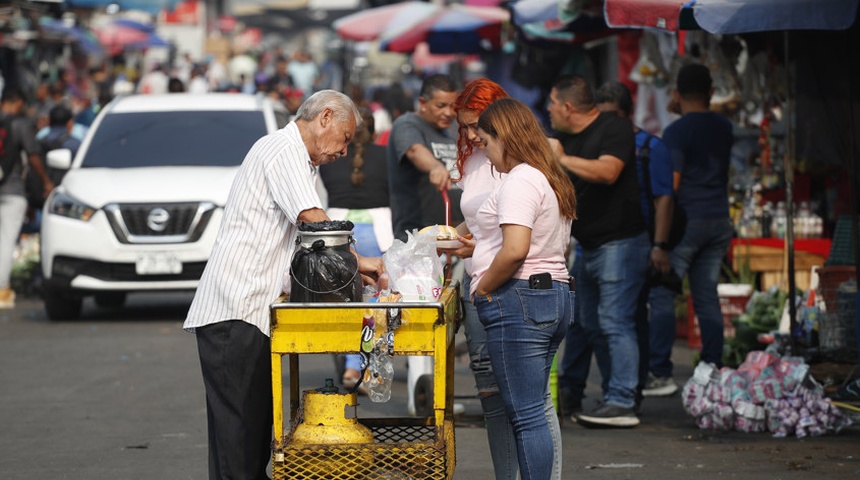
x=236, y=361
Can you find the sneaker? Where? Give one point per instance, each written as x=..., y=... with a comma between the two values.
x=659, y=387
x=570, y=404
x=848, y=393
x=575, y=410
x=608, y=415
x=7, y=298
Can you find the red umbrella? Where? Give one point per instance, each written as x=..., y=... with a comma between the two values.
x=446, y=29
x=370, y=23
x=117, y=37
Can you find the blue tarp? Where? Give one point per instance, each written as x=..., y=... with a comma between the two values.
x=741, y=16
x=150, y=6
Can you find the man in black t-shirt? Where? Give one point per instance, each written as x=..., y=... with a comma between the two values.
x=598, y=151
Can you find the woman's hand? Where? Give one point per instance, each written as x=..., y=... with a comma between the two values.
x=464, y=251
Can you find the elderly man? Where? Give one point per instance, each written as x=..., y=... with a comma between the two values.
x=272, y=193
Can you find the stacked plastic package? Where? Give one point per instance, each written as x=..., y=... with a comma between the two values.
x=765, y=393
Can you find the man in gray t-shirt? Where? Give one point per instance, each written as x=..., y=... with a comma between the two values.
x=422, y=157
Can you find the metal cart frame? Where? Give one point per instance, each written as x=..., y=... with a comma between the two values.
x=413, y=448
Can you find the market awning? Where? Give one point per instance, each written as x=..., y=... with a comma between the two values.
x=740, y=16
x=662, y=14
x=731, y=16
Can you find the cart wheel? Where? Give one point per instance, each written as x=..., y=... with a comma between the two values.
x=423, y=396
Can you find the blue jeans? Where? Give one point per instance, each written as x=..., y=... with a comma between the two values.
x=524, y=328
x=660, y=321
x=608, y=289
x=700, y=256
x=578, y=348
x=500, y=432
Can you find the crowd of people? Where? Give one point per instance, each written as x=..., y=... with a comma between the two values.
x=523, y=192
x=517, y=191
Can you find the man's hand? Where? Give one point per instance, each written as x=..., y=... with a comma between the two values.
x=372, y=269
x=556, y=147
x=440, y=177
x=660, y=260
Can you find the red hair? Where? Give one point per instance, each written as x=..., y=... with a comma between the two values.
x=477, y=95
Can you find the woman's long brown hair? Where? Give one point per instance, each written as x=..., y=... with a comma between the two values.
x=522, y=137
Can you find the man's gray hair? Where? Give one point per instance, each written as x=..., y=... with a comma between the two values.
x=341, y=105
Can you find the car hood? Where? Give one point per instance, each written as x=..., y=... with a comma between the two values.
x=101, y=186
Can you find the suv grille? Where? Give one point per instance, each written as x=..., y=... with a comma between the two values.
x=151, y=223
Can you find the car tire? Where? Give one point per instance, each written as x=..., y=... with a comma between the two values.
x=62, y=306
x=110, y=299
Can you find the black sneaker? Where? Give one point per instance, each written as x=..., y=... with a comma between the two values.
x=608, y=415
x=848, y=393
x=570, y=404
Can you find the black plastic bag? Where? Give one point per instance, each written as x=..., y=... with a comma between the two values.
x=325, y=273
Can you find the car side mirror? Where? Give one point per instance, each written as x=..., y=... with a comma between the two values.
x=61, y=158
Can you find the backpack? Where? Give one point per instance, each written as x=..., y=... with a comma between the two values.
x=679, y=217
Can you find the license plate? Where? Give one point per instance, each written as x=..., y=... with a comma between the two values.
x=157, y=264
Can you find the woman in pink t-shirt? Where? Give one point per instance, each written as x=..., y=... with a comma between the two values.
x=478, y=180
x=519, y=274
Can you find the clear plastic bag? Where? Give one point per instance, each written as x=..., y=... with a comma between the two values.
x=414, y=268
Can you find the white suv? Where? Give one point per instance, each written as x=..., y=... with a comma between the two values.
x=142, y=201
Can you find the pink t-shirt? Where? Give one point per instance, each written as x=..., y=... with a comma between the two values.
x=524, y=197
x=479, y=180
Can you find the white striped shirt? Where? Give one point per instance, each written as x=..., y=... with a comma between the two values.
x=255, y=243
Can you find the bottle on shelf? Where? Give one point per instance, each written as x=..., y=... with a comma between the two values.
x=766, y=219
x=779, y=221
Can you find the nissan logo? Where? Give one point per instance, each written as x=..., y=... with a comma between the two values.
x=157, y=219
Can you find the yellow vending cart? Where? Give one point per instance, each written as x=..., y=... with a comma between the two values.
x=400, y=448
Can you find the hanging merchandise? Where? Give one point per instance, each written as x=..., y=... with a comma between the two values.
x=376, y=346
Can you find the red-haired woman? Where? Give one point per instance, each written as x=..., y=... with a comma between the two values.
x=477, y=181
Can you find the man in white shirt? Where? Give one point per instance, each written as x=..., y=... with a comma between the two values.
x=272, y=193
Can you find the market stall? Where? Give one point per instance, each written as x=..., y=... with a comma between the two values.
x=766, y=257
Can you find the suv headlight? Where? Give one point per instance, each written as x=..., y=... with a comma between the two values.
x=65, y=205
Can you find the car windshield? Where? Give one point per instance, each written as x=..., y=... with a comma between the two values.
x=157, y=139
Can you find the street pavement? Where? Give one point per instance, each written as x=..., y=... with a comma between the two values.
x=118, y=395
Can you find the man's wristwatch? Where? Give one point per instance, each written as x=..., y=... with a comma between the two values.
x=662, y=246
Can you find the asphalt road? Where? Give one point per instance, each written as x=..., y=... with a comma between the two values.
x=118, y=395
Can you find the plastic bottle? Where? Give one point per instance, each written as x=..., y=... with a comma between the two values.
x=802, y=221
x=766, y=220
x=381, y=376
x=779, y=220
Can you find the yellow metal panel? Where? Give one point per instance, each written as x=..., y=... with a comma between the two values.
x=299, y=328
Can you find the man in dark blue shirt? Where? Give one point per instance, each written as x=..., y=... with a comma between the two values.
x=699, y=145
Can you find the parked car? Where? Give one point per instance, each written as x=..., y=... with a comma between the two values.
x=142, y=201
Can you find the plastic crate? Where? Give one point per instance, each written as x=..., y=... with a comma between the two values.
x=733, y=302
